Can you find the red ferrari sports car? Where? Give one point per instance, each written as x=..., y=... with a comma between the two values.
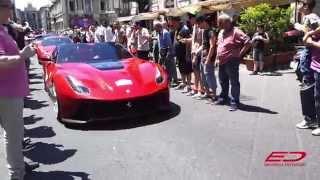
x=92, y=82
x=44, y=47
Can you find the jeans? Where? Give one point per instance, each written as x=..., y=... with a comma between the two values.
x=258, y=55
x=208, y=76
x=11, y=120
x=229, y=74
x=317, y=95
x=169, y=62
x=305, y=62
x=155, y=51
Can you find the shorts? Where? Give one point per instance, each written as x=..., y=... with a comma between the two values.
x=258, y=55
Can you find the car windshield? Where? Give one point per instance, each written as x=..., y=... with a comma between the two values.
x=55, y=41
x=92, y=53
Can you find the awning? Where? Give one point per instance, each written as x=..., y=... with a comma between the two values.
x=174, y=12
x=145, y=16
x=193, y=9
x=239, y=4
x=213, y=2
x=205, y=7
x=220, y=5
x=125, y=19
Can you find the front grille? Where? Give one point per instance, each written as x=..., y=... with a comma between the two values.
x=124, y=108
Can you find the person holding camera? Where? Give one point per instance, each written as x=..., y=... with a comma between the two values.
x=259, y=40
x=13, y=89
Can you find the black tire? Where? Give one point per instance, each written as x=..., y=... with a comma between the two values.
x=56, y=104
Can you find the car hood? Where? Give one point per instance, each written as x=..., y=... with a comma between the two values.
x=116, y=80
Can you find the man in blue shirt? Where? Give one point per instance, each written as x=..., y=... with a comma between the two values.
x=166, y=51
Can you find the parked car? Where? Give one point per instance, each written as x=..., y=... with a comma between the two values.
x=45, y=47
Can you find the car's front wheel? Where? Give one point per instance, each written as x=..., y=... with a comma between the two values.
x=55, y=102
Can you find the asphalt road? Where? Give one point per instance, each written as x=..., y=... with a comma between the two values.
x=195, y=141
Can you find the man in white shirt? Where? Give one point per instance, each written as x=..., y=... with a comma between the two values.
x=143, y=40
x=132, y=41
x=112, y=32
x=90, y=34
x=99, y=35
x=109, y=35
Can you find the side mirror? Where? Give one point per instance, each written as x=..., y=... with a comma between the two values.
x=45, y=58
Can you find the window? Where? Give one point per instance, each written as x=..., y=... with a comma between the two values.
x=125, y=5
x=169, y=4
x=108, y=5
x=55, y=41
x=116, y=4
x=88, y=6
x=71, y=5
x=80, y=4
x=102, y=5
x=97, y=53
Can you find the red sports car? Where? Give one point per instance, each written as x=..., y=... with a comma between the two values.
x=91, y=82
x=44, y=47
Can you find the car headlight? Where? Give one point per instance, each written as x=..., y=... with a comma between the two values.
x=159, y=77
x=77, y=85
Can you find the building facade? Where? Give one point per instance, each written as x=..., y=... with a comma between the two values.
x=58, y=15
x=161, y=4
x=32, y=16
x=45, y=18
x=66, y=14
x=317, y=9
x=20, y=16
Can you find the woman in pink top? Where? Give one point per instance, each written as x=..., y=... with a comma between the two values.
x=13, y=88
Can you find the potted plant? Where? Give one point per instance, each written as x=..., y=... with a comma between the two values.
x=249, y=62
x=276, y=21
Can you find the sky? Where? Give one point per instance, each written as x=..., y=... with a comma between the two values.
x=21, y=4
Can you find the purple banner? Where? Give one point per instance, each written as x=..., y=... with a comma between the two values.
x=84, y=22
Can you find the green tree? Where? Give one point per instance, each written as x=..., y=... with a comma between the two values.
x=275, y=21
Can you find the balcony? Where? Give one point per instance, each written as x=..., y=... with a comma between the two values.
x=108, y=12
